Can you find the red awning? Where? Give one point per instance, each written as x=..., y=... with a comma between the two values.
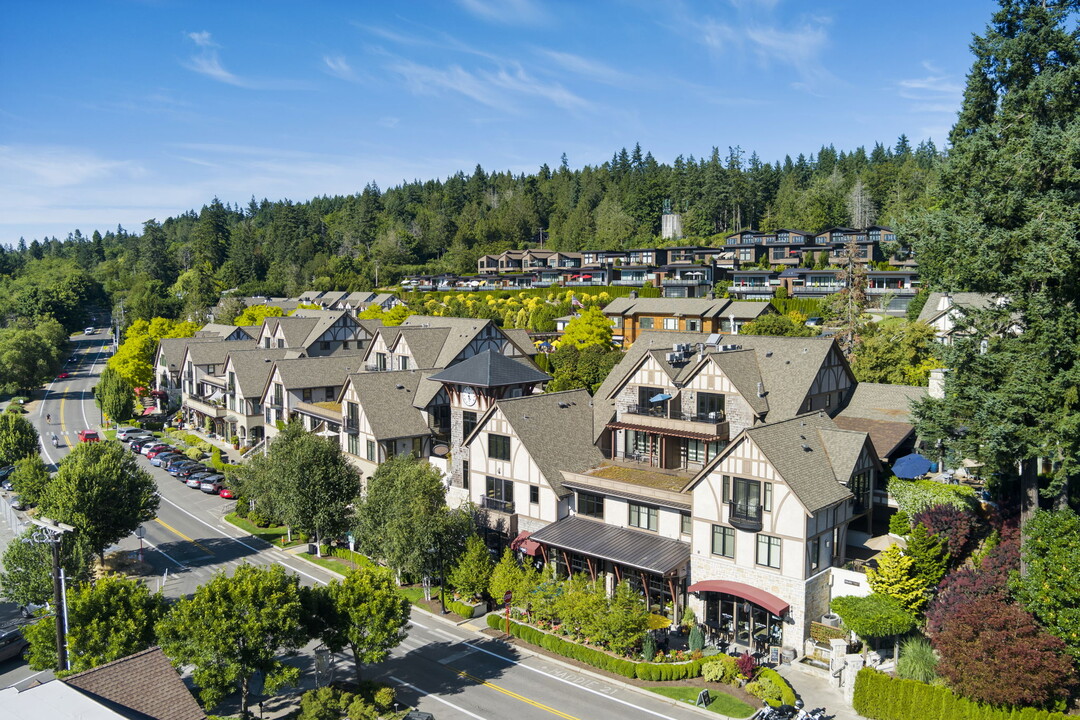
x=149, y=411
x=747, y=592
x=524, y=544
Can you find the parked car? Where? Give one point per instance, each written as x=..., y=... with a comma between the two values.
x=190, y=470
x=17, y=503
x=5, y=471
x=194, y=481
x=89, y=436
x=150, y=447
x=212, y=484
x=89, y=331
x=160, y=459
x=12, y=643
x=155, y=451
x=138, y=444
x=168, y=463
x=227, y=493
x=125, y=434
x=175, y=467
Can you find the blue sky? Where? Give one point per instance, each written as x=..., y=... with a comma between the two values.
x=113, y=112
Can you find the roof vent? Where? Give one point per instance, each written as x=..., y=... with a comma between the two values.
x=399, y=386
x=768, y=353
x=266, y=359
x=564, y=405
x=806, y=447
x=761, y=389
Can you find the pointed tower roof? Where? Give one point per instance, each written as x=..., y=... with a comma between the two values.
x=491, y=369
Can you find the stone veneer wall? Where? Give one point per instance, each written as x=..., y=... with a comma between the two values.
x=456, y=453
x=808, y=600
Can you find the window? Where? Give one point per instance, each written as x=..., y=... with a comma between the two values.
x=210, y=369
x=465, y=474
x=710, y=407
x=746, y=500
x=693, y=325
x=671, y=323
x=766, y=502
x=498, y=447
x=324, y=345
x=723, y=541
x=345, y=345
x=813, y=549
x=380, y=361
x=281, y=342
x=686, y=523
x=371, y=454
x=768, y=551
x=352, y=416
x=645, y=323
x=591, y=505
x=617, y=322
x=695, y=451
x=534, y=494
x=404, y=362
x=643, y=516
x=468, y=422
x=417, y=446
x=306, y=395
x=500, y=489
x=354, y=444
x=727, y=488
x=266, y=343
x=645, y=403
x=331, y=394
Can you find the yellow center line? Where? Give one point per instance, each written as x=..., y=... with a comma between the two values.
x=197, y=544
x=62, y=401
x=509, y=693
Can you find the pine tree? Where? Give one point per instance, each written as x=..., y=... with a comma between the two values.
x=897, y=577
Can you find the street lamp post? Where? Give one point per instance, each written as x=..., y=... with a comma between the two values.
x=51, y=532
x=140, y=532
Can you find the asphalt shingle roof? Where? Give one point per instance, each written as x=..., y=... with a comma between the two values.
x=491, y=369
x=143, y=685
x=387, y=399
x=253, y=367
x=321, y=371
x=932, y=309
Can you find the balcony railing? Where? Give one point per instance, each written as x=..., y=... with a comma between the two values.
x=744, y=516
x=204, y=407
x=629, y=281
x=673, y=422
x=688, y=282
x=502, y=506
x=373, y=367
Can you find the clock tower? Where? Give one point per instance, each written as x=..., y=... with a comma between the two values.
x=473, y=386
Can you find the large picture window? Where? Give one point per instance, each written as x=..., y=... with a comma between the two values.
x=591, y=505
x=498, y=447
x=644, y=516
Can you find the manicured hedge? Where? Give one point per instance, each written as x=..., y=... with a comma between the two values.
x=650, y=672
x=882, y=697
x=459, y=608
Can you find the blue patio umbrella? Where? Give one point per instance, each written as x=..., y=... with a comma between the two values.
x=911, y=466
x=661, y=397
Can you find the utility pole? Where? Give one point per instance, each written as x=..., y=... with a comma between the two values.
x=51, y=532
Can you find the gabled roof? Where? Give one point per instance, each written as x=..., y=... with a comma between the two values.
x=810, y=454
x=938, y=304
x=387, y=399
x=320, y=371
x=462, y=332
x=882, y=411
x=294, y=329
x=520, y=338
x=253, y=368
x=143, y=685
x=425, y=344
x=209, y=353
x=491, y=369
x=556, y=429
x=218, y=330
x=174, y=349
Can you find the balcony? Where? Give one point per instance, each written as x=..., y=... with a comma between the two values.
x=673, y=421
x=206, y=408
x=899, y=291
x=372, y=367
x=687, y=282
x=744, y=516
x=501, y=506
x=631, y=282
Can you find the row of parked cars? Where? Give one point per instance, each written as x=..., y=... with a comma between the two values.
x=192, y=472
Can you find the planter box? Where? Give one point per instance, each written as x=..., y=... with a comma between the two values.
x=478, y=610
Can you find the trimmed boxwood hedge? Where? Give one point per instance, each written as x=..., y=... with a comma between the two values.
x=459, y=608
x=882, y=697
x=649, y=672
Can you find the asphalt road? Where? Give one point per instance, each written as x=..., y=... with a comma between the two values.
x=446, y=670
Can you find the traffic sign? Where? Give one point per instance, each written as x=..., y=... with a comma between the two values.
x=508, y=596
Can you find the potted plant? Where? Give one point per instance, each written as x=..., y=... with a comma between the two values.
x=236, y=442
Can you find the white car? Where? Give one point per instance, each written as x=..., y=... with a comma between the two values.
x=125, y=433
x=89, y=331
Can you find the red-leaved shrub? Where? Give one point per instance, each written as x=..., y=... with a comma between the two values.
x=955, y=525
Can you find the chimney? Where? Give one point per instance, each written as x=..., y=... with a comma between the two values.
x=937, y=383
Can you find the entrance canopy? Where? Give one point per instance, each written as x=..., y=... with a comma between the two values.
x=632, y=548
x=526, y=545
x=747, y=592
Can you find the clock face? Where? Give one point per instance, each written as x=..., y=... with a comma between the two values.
x=468, y=396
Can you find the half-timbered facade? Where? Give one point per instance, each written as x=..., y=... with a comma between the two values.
x=316, y=332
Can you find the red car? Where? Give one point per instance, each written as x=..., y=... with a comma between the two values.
x=88, y=436
x=226, y=493
x=158, y=449
x=63, y=376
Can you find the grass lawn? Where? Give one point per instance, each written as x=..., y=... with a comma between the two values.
x=271, y=534
x=722, y=703
x=415, y=594
x=328, y=563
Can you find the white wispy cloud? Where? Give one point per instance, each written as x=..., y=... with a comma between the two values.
x=206, y=61
x=934, y=94
x=507, y=12
x=57, y=167
x=339, y=67
x=202, y=39
x=588, y=68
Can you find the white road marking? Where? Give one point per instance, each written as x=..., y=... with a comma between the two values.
x=437, y=631
x=152, y=546
x=568, y=682
x=436, y=697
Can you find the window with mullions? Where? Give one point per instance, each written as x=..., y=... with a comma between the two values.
x=591, y=505
x=643, y=516
x=723, y=541
x=768, y=551
x=498, y=447
x=468, y=422
x=686, y=523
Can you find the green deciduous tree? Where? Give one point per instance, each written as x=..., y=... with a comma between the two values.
x=30, y=478
x=626, y=619
x=584, y=367
x=18, y=438
x=107, y=620
x=234, y=627
x=115, y=396
x=1051, y=588
x=26, y=578
x=591, y=327
x=255, y=314
x=472, y=573
x=897, y=577
x=875, y=616
x=365, y=613
x=895, y=352
x=102, y=492
x=134, y=358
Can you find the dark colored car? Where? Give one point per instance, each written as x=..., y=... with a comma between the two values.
x=176, y=467
x=169, y=462
x=190, y=470
x=139, y=444
x=161, y=459
x=12, y=643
